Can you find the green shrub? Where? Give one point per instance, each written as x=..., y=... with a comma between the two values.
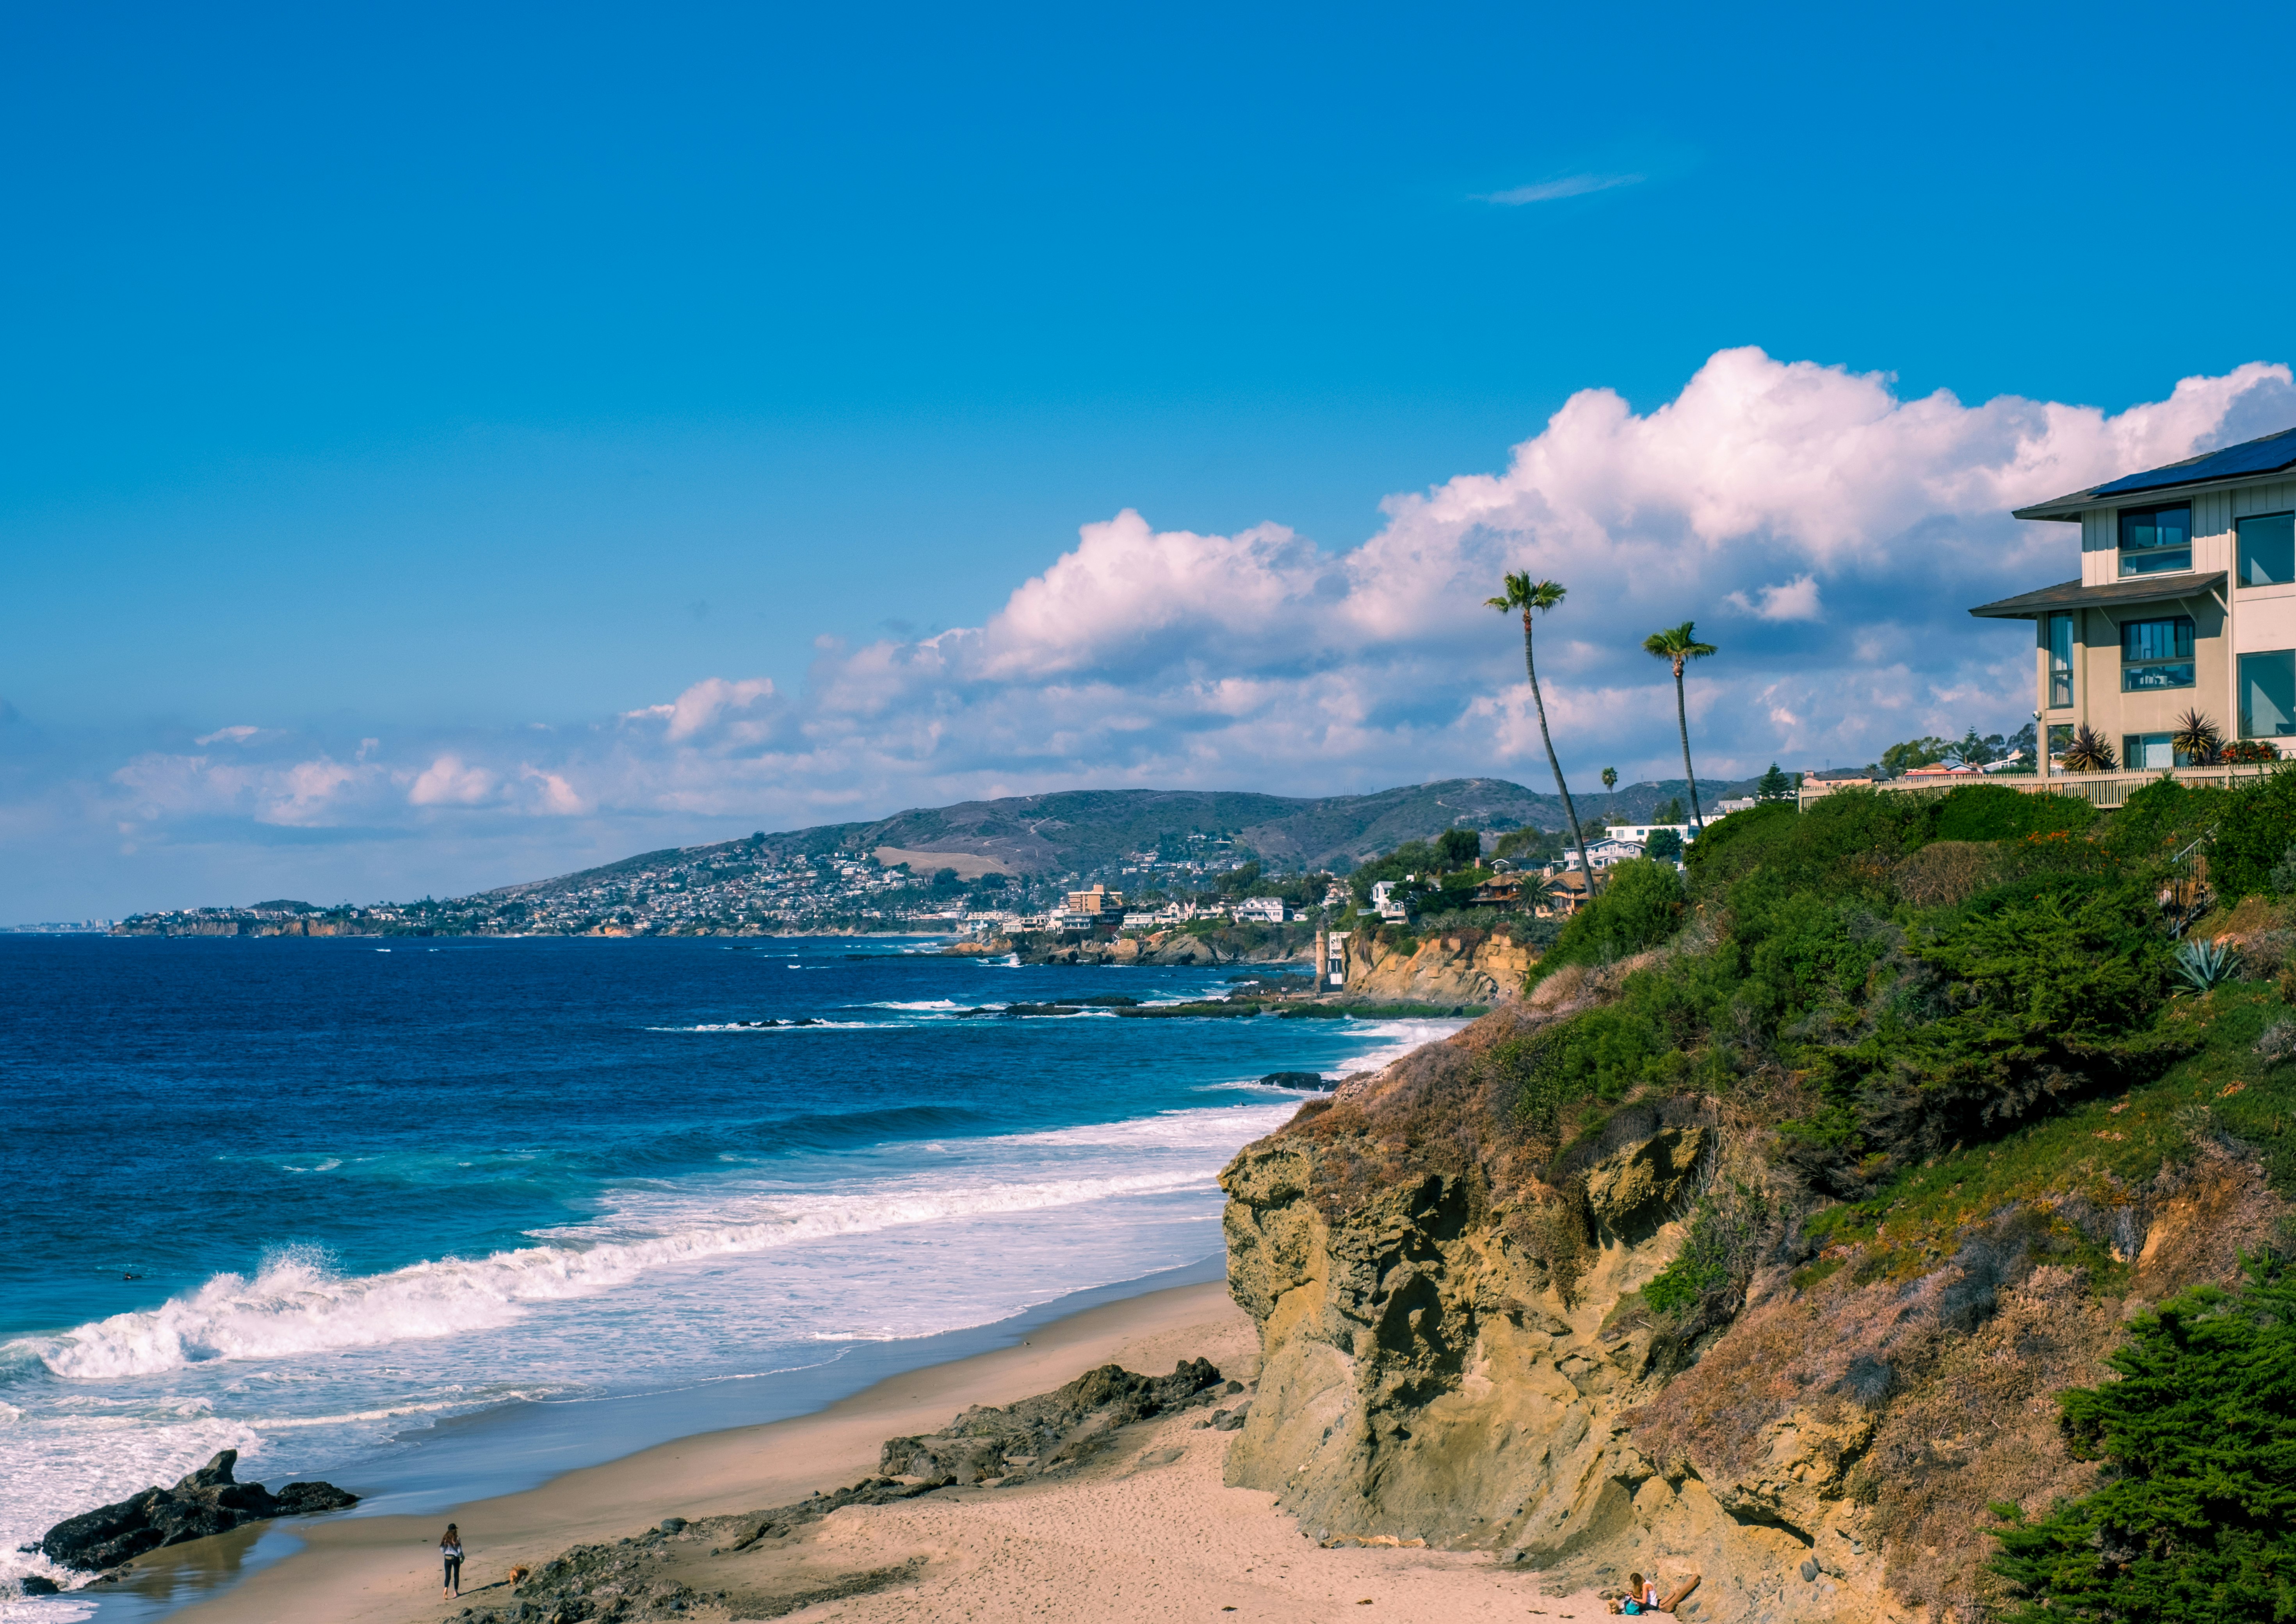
x=1992, y=812
x=2198, y=1520
x=2255, y=824
x=1639, y=905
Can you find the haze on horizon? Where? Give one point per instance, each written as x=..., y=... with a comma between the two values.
x=453, y=447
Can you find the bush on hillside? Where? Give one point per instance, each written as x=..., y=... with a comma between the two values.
x=2198, y=1520
x=1639, y=905
x=1992, y=812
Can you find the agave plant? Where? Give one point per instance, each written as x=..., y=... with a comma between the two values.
x=2089, y=752
x=2195, y=738
x=2202, y=967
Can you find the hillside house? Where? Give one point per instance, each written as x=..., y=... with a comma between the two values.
x=2186, y=600
x=1261, y=910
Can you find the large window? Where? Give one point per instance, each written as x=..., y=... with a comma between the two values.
x=2148, y=752
x=2061, y=661
x=2156, y=654
x=2154, y=539
x=2267, y=549
x=2268, y=695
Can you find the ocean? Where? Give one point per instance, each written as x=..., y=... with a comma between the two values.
x=347, y=1206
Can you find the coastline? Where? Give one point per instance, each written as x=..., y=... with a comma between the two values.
x=1148, y=1534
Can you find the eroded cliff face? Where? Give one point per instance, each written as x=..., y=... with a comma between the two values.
x=1457, y=967
x=1456, y=1350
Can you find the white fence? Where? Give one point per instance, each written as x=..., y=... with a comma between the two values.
x=2100, y=789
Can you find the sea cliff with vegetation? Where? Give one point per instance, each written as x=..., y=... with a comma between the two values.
x=1882, y=1219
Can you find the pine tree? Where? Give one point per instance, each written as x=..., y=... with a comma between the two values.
x=2199, y=1518
x=1774, y=785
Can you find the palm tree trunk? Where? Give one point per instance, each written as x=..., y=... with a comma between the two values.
x=1682, y=718
x=1585, y=863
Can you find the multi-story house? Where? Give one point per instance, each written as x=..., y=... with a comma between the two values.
x=2186, y=601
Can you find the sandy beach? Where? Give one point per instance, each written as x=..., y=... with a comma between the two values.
x=1148, y=1532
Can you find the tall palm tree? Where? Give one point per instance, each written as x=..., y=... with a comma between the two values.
x=1611, y=786
x=1526, y=594
x=1680, y=645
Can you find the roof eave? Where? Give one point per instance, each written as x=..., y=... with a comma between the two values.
x=2073, y=506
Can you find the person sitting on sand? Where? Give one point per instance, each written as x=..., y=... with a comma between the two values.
x=1642, y=1595
x=450, y=1547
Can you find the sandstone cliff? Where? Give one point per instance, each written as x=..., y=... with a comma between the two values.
x=1456, y=1345
x=1468, y=966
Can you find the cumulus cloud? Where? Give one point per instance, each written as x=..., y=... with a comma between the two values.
x=1795, y=600
x=1826, y=532
x=450, y=782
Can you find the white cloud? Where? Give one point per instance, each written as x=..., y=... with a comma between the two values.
x=1850, y=530
x=1548, y=190
x=450, y=782
x=1796, y=600
x=235, y=735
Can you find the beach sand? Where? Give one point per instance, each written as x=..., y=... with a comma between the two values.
x=1147, y=1532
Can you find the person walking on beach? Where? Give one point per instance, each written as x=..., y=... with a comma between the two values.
x=450, y=1547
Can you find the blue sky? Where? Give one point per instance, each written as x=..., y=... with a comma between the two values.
x=477, y=381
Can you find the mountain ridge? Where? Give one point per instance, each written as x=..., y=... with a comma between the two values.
x=1068, y=830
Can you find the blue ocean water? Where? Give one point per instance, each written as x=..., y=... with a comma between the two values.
x=325, y=1202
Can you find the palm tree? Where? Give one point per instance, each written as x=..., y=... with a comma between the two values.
x=1680, y=645
x=2196, y=738
x=1526, y=594
x=1611, y=783
x=2089, y=752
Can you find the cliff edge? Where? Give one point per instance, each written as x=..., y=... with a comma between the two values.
x=1459, y=1341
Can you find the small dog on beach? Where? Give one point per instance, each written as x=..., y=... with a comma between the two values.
x=518, y=1577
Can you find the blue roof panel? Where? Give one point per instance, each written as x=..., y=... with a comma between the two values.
x=2266, y=455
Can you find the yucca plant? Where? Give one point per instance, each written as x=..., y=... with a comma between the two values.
x=2196, y=738
x=2089, y=752
x=2202, y=967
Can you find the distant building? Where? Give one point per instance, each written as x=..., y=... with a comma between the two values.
x=1095, y=902
x=1834, y=778
x=1261, y=910
x=1640, y=834
x=1603, y=854
x=1383, y=898
x=1332, y=958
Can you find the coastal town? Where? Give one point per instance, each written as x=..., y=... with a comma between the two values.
x=1197, y=881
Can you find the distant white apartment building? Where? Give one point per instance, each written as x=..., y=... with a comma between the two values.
x=1605, y=853
x=1383, y=898
x=1261, y=910
x=1640, y=834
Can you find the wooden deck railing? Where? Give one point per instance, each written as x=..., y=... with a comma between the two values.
x=2100, y=789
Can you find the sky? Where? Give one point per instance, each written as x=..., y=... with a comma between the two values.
x=451, y=446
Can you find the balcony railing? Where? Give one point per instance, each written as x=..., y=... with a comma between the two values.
x=2100, y=789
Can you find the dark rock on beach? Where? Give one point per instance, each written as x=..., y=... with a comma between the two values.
x=1068, y=1424
x=758, y=1564
x=209, y=1501
x=1296, y=1079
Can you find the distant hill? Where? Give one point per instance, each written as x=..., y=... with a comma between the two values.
x=1083, y=830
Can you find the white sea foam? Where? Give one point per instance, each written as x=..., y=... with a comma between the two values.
x=297, y=1305
x=814, y=1026
x=1407, y=1035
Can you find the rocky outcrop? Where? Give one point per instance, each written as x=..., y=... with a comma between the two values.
x=1485, y=967
x=1456, y=1347
x=209, y=1501
x=1069, y=1423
